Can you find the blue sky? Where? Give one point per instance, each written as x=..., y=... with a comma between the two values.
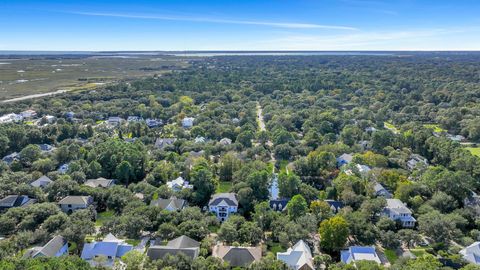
x=240, y=25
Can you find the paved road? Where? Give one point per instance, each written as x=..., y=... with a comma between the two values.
x=34, y=96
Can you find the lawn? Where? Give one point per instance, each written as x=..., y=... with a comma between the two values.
x=391, y=127
x=223, y=187
x=133, y=242
x=275, y=247
x=103, y=217
x=419, y=252
x=435, y=127
x=391, y=255
x=213, y=228
x=474, y=150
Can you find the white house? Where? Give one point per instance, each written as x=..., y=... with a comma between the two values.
x=11, y=117
x=416, y=160
x=223, y=204
x=187, y=122
x=397, y=210
x=28, y=114
x=357, y=253
x=298, y=257
x=472, y=253
x=178, y=184
x=72, y=203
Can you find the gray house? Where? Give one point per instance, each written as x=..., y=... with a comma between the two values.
x=56, y=247
x=172, y=204
x=237, y=256
x=72, y=203
x=161, y=143
x=223, y=204
x=182, y=244
x=41, y=182
x=100, y=182
x=15, y=201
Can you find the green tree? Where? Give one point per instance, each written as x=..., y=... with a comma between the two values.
x=333, y=233
x=297, y=207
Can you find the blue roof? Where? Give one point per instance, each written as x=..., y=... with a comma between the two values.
x=359, y=249
x=109, y=249
x=336, y=204
x=345, y=256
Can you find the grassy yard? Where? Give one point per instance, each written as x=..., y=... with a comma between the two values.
x=103, y=217
x=133, y=242
x=391, y=255
x=435, y=127
x=391, y=127
x=213, y=228
x=419, y=252
x=474, y=150
x=224, y=187
x=275, y=247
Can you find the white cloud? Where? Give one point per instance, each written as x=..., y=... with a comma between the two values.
x=221, y=21
x=420, y=39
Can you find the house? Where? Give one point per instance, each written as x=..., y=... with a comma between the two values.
x=235, y=120
x=15, y=201
x=41, y=182
x=161, y=143
x=171, y=204
x=200, y=139
x=49, y=119
x=223, y=204
x=358, y=253
x=279, y=204
x=298, y=257
x=9, y=159
x=70, y=115
x=380, y=191
x=110, y=247
x=45, y=147
x=416, y=160
x=11, y=117
x=28, y=114
x=182, y=244
x=134, y=119
x=471, y=253
x=56, y=247
x=187, y=122
x=225, y=141
x=114, y=121
x=178, y=184
x=151, y=123
x=344, y=159
x=473, y=202
x=100, y=182
x=456, y=138
x=237, y=256
x=370, y=129
x=72, y=203
x=397, y=210
x=335, y=205
x=363, y=169
x=63, y=169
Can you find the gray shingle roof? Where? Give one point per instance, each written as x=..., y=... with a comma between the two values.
x=238, y=256
x=76, y=200
x=182, y=244
x=172, y=203
x=99, y=182
x=229, y=198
